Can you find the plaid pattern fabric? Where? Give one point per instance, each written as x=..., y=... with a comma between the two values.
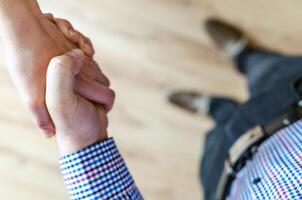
x=275, y=171
x=98, y=172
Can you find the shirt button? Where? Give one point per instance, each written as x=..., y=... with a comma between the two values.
x=256, y=181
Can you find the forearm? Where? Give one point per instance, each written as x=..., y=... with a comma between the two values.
x=16, y=16
x=13, y=9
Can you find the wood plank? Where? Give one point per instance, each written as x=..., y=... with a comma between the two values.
x=148, y=48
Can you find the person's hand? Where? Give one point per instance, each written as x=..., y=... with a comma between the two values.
x=74, y=36
x=91, y=82
x=31, y=39
x=78, y=122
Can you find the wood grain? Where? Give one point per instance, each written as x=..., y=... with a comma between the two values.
x=148, y=48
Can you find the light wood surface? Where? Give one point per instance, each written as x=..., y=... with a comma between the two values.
x=148, y=48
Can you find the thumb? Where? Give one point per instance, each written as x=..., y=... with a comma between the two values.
x=61, y=76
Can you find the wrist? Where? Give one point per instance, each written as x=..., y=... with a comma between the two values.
x=68, y=145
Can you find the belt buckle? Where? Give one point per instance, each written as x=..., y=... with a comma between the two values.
x=244, y=143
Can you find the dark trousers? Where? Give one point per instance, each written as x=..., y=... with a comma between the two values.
x=269, y=77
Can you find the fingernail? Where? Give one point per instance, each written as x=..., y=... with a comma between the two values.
x=76, y=54
x=72, y=33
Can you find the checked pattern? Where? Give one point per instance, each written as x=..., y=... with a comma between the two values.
x=275, y=171
x=98, y=172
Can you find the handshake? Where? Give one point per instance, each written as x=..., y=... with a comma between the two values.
x=79, y=121
x=52, y=66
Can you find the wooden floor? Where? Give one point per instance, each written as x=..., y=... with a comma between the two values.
x=148, y=48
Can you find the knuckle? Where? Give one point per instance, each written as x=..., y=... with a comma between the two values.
x=82, y=39
x=50, y=15
x=62, y=61
x=65, y=23
x=44, y=125
x=111, y=99
x=107, y=82
x=56, y=60
x=111, y=95
x=86, y=39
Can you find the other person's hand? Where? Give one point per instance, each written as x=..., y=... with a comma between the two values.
x=31, y=39
x=78, y=121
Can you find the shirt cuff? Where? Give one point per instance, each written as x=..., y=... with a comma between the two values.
x=98, y=172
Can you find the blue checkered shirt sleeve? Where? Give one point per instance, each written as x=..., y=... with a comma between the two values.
x=98, y=172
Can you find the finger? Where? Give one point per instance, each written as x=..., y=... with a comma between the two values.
x=97, y=73
x=90, y=47
x=49, y=16
x=102, y=78
x=74, y=36
x=67, y=30
x=85, y=44
x=42, y=118
x=95, y=92
x=61, y=75
x=65, y=27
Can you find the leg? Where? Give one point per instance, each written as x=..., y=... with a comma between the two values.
x=269, y=75
x=212, y=163
x=265, y=69
x=218, y=108
x=251, y=59
x=255, y=63
x=221, y=109
x=216, y=145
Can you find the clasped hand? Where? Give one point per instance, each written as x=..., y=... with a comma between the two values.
x=63, y=87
